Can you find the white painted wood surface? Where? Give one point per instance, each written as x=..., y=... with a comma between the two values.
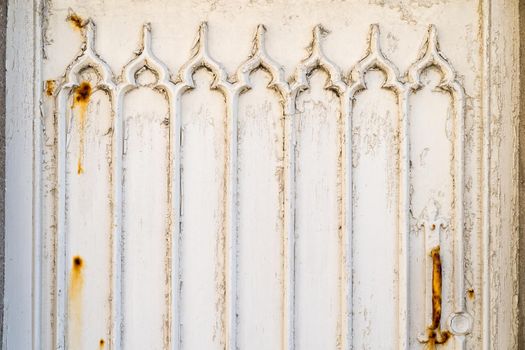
x=226, y=188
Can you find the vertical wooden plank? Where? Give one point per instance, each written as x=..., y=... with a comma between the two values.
x=203, y=209
x=375, y=214
x=260, y=232
x=88, y=214
x=318, y=201
x=431, y=196
x=379, y=241
x=501, y=112
x=49, y=221
x=146, y=214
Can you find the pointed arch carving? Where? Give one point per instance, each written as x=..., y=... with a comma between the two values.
x=346, y=86
x=200, y=57
x=87, y=59
x=459, y=322
x=374, y=59
x=317, y=59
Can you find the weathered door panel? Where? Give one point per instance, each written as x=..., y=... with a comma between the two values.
x=247, y=175
x=318, y=219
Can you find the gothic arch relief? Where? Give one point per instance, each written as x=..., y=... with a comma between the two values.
x=317, y=126
x=260, y=116
x=378, y=141
x=441, y=219
x=85, y=100
x=146, y=78
x=268, y=144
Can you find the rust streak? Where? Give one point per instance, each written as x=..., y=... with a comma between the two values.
x=436, y=288
x=50, y=87
x=435, y=334
x=76, y=283
x=470, y=294
x=76, y=21
x=101, y=343
x=81, y=98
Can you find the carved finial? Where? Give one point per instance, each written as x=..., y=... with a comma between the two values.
x=319, y=33
x=146, y=37
x=432, y=40
x=203, y=35
x=259, y=41
x=374, y=43
x=317, y=59
x=374, y=59
x=431, y=56
x=260, y=59
x=89, y=34
x=200, y=46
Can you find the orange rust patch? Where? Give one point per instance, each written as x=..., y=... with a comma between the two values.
x=82, y=93
x=101, y=343
x=76, y=283
x=50, y=87
x=436, y=288
x=77, y=262
x=435, y=334
x=81, y=98
x=470, y=294
x=76, y=21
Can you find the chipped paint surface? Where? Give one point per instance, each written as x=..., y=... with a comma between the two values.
x=76, y=286
x=50, y=87
x=203, y=229
x=145, y=158
x=317, y=219
x=375, y=146
x=260, y=221
x=80, y=104
x=206, y=196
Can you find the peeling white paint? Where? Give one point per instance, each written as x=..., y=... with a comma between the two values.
x=269, y=206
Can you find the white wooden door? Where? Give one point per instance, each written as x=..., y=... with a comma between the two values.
x=266, y=175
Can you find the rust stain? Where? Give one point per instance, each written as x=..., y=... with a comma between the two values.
x=434, y=332
x=82, y=92
x=81, y=98
x=436, y=287
x=76, y=283
x=470, y=294
x=75, y=20
x=50, y=87
x=101, y=343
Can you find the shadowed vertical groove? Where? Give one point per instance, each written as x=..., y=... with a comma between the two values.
x=116, y=238
x=3, y=29
x=37, y=175
x=61, y=241
x=231, y=222
x=459, y=179
x=175, y=217
x=486, y=13
x=347, y=233
x=521, y=272
x=289, y=226
x=403, y=219
x=349, y=216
